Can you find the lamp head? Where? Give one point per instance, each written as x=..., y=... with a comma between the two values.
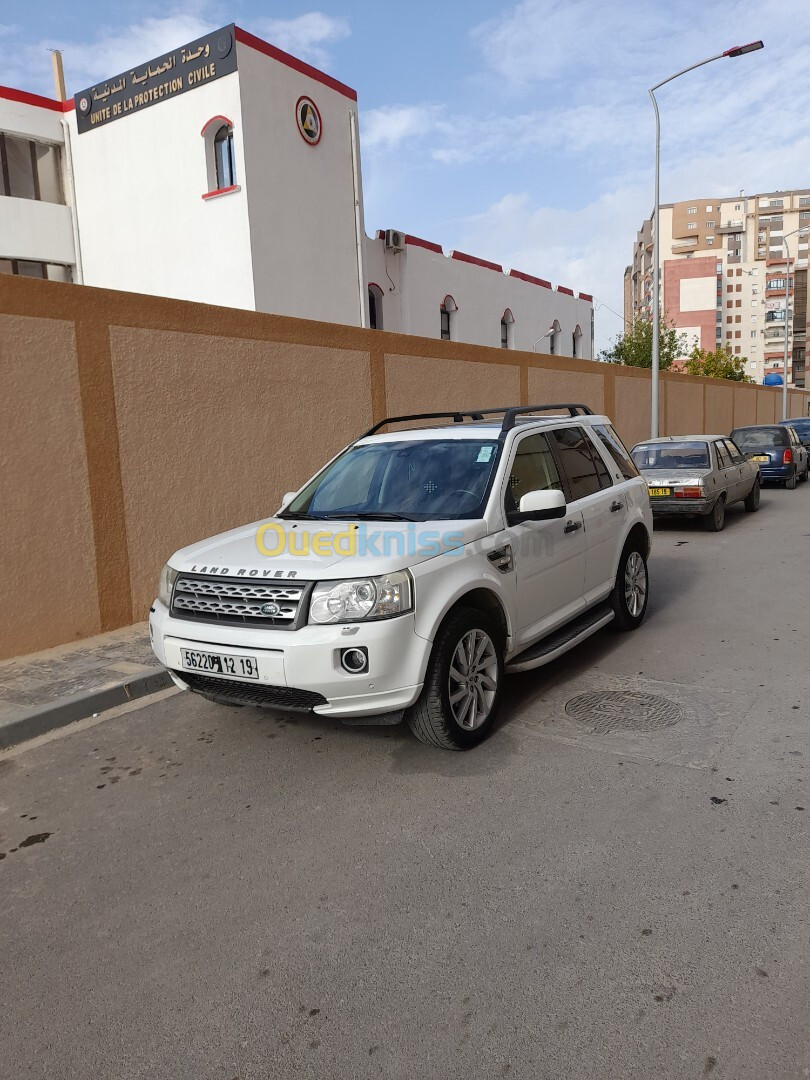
x=741, y=50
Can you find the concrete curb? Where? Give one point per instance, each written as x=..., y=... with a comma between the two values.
x=66, y=710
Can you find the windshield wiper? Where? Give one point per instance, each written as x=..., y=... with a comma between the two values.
x=366, y=515
x=298, y=515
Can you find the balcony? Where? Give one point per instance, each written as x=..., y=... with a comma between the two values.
x=689, y=243
x=735, y=225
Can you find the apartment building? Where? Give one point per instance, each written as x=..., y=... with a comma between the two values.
x=725, y=276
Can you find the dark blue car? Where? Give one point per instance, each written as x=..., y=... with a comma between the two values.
x=778, y=451
x=801, y=425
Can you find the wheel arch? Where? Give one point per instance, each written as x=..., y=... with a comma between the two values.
x=484, y=600
x=639, y=536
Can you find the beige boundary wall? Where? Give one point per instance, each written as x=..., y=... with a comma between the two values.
x=132, y=425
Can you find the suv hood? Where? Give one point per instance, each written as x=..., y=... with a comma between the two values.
x=310, y=550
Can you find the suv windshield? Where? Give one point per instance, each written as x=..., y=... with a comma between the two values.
x=755, y=438
x=671, y=455
x=408, y=480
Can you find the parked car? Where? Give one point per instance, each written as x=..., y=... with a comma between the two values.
x=777, y=450
x=697, y=475
x=801, y=425
x=415, y=568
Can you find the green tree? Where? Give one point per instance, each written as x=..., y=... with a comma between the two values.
x=634, y=347
x=720, y=364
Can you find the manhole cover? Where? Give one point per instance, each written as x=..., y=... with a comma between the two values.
x=623, y=710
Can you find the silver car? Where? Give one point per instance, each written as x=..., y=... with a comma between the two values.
x=697, y=474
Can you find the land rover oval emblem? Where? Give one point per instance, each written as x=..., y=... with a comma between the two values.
x=270, y=609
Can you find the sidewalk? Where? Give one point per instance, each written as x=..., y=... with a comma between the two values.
x=49, y=689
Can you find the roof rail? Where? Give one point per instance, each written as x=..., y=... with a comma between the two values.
x=457, y=417
x=524, y=410
x=510, y=412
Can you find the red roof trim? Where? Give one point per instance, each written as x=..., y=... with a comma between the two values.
x=586, y=296
x=40, y=102
x=461, y=257
x=297, y=65
x=528, y=277
x=415, y=241
x=562, y=289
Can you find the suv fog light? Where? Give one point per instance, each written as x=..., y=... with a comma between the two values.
x=355, y=661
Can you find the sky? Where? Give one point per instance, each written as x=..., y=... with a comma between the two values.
x=523, y=132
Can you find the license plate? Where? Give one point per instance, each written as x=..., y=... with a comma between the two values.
x=243, y=667
x=660, y=491
x=760, y=457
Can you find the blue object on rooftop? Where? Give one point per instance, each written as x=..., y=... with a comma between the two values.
x=772, y=380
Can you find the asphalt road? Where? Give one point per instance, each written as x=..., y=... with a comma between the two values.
x=215, y=893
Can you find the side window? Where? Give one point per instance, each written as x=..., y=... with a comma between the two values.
x=733, y=452
x=723, y=460
x=578, y=462
x=533, y=469
x=617, y=451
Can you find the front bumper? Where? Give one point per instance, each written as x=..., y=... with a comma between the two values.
x=308, y=659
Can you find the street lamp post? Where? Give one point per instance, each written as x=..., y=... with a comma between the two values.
x=738, y=50
x=548, y=333
x=796, y=232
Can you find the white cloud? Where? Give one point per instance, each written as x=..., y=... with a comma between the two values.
x=391, y=125
x=116, y=49
x=306, y=35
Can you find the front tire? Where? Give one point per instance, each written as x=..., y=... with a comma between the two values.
x=805, y=475
x=752, y=498
x=630, y=593
x=459, y=701
x=716, y=517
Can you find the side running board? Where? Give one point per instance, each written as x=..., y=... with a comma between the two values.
x=568, y=636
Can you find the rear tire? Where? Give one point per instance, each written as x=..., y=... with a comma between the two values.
x=791, y=483
x=716, y=517
x=459, y=701
x=752, y=499
x=630, y=593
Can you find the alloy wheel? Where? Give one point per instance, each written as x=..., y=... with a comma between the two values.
x=635, y=583
x=473, y=679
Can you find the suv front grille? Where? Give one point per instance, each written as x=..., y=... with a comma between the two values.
x=239, y=693
x=239, y=602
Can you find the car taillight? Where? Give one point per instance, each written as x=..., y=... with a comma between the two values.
x=689, y=493
x=787, y=457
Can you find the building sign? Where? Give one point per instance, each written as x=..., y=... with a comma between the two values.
x=202, y=61
x=309, y=120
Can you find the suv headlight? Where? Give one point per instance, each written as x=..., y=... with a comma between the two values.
x=167, y=580
x=361, y=598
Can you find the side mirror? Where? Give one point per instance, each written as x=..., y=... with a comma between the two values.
x=539, y=506
x=286, y=498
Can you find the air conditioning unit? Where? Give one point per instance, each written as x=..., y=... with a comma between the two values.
x=394, y=240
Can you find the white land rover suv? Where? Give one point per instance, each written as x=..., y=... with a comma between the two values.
x=415, y=569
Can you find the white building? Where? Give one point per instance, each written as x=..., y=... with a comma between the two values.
x=228, y=172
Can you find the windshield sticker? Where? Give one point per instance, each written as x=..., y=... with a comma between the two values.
x=484, y=454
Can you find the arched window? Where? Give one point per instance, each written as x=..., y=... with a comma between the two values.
x=223, y=157
x=507, y=330
x=577, y=342
x=220, y=156
x=448, y=311
x=554, y=338
x=375, y=307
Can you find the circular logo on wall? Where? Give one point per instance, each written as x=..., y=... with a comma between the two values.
x=309, y=120
x=223, y=45
x=84, y=104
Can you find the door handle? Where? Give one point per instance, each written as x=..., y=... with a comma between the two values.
x=572, y=526
x=615, y=506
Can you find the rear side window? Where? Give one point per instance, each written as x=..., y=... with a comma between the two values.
x=733, y=452
x=617, y=450
x=723, y=460
x=579, y=464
